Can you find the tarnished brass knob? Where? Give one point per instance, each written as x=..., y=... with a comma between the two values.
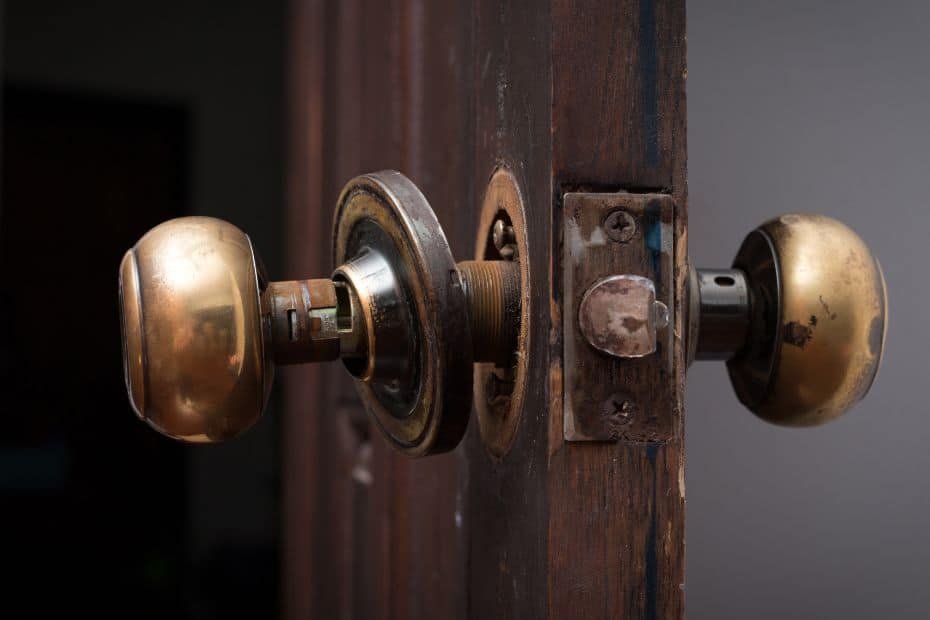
x=200, y=330
x=203, y=327
x=800, y=318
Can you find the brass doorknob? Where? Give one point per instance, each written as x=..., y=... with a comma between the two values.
x=197, y=365
x=800, y=318
x=203, y=327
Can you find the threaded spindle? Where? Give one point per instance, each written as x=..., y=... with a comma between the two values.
x=492, y=292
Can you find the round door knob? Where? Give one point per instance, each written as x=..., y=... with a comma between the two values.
x=800, y=318
x=203, y=328
x=195, y=357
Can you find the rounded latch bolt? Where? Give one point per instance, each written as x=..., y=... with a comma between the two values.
x=621, y=316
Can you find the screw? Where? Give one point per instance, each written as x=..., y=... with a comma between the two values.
x=504, y=238
x=620, y=226
x=619, y=408
x=497, y=390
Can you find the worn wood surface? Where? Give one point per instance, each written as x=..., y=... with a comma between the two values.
x=375, y=85
x=616, y=528
x=568, y=95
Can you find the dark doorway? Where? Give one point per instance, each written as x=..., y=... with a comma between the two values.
x=93, y=504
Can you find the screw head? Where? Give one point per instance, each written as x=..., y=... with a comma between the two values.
x=503, y=237
x=497, y=389
x=619, y=409
x=619, y=226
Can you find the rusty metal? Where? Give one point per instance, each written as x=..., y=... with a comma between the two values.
x=492, y=293
x=196, y=362
x=304, y=321
x=619, y=315
x=607, y=303
x=619, y=226
x=407, y=284
x=500, y=385
x=817, y=320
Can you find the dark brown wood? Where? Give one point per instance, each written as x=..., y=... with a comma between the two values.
x=617, y=509
x=304, y=239
x=384, y=85
x=569, y=96
x=508, y=508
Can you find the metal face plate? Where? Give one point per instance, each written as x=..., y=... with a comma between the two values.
x=609, y=398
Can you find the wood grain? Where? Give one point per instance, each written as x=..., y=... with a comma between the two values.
x=380, y=85
x=568, y=95
x=616, y=527
x=301, y=385
x=508, y=510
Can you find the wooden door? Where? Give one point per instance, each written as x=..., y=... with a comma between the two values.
x=568, y=95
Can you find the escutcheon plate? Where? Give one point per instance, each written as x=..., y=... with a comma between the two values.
x=385, y=219
x=500, y=389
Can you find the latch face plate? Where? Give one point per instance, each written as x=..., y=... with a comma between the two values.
x=609, y=398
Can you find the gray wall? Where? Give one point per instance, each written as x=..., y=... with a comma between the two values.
x=812, y=106
x=225, y=62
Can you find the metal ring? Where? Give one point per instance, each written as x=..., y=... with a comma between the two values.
x=424, y=408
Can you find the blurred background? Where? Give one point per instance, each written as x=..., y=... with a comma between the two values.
x=118, y=115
